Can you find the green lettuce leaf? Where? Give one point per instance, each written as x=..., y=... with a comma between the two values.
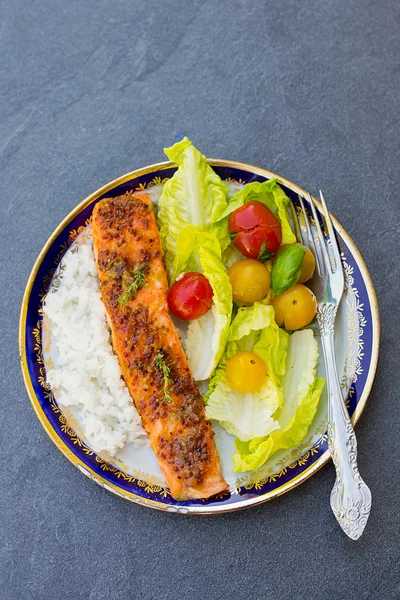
x=243, y=415
x=301, y=391
x=220, y=230
x=195, y=195
x=231, y=254
x=206, y=337
x=189, y=242
x=249, y=323
x=250, y=415
x=272, y=348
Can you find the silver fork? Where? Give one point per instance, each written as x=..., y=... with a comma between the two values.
x=350, y=497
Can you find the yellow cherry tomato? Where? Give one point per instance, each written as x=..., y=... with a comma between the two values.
x=250, y=281
x=246, y=372
x=295, y=308
x=308, y=264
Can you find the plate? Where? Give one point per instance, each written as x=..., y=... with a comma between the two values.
x=134, y=474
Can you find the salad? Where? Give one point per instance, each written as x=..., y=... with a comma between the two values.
x=237, y=278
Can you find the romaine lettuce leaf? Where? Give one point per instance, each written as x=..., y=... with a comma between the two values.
x=244, y=415
x=272, y=348
x=205, y=337
x=248, y=415
x=189, y=241
x=301, y=391
x=250, y=321
x=231, y=254
x=195, y=195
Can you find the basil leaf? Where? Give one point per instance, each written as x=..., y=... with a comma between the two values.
x=286, y=269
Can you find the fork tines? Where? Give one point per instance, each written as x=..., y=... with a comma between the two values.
x=328, y=263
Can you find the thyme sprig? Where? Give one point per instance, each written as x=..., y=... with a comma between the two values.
x=165, y=369
x=139, y=281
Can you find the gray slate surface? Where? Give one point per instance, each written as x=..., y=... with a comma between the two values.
x=90, y=90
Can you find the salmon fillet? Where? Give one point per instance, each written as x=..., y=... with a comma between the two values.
x=134, y=287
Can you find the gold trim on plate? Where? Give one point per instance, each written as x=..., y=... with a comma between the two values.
x=134, y=497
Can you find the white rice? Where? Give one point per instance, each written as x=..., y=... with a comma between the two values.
x=86, y=372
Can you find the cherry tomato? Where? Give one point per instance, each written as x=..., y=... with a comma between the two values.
x=295, y=308
x=250, y=281
x=245, y=372
x=307, y=266
x=258, y=231
x=190, y=297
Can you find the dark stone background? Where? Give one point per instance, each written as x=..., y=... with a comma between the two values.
x=92, y=89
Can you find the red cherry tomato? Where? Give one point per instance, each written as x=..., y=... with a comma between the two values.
x=190, y=297
x=258, y=231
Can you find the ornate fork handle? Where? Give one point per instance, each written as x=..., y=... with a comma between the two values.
x=350, y=497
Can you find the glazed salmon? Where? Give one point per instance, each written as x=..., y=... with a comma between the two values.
x=134, y=287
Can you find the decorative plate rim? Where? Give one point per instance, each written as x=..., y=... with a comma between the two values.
x=51, y=432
